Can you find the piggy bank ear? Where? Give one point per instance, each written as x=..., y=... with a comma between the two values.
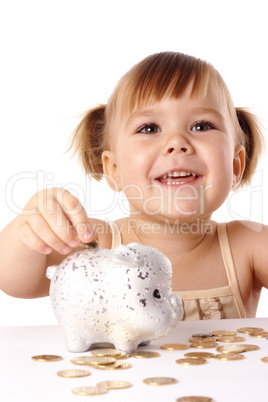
x=51, y=271
x=127, y=256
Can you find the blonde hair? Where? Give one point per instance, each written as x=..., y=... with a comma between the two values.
x=165, y=74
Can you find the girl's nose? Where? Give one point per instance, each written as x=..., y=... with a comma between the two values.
x=178, y=144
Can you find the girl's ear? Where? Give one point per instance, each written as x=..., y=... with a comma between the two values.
x=239, y=163
x=111, y=170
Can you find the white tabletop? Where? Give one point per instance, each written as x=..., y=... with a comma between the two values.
x=22, y=379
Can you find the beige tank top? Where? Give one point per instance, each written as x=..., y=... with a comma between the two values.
x=208, y=304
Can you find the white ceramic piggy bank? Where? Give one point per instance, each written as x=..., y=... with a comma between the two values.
x=121, y=296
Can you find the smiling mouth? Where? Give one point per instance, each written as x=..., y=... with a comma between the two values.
x=178, y=177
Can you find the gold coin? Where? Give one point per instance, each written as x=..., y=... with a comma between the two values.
x=229, y=356
x=194, y=399
x=114, y=384
x=231, y=339
x=122, y=356
x=249, y=330
x=93, y=360
x=101, y=345
x=115, y=366
x=175, y=346
x=106, y=352
x=73, y=373
x=144, y=354
x=195, y=339
x=47, y=358
x=223, y=333
x=264, y=359
x=85, y=391
x=191, y=361
x=92, y=244
x=160, y=381
x=196, y=355
x=231, y=348
x=205, y=345
x=250, y=348
x=258, y=334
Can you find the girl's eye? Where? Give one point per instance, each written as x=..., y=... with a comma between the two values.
x=202, y=126
x=149, y=129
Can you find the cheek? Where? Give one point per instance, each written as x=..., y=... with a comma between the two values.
x=135, y=163
x=221, y=178
x=221, y=158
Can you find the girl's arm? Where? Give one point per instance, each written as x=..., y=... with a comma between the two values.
x=260, y=256
x=249, y=242
x=51, y=225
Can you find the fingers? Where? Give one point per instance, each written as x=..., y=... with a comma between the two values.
x=76, y=215
x=30, y=238
x=55, y=219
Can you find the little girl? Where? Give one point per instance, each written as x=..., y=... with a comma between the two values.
x=171, y=139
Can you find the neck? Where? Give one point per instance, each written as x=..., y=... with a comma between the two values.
x=171, y=236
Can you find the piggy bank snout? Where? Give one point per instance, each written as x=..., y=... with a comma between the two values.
x=177, y=305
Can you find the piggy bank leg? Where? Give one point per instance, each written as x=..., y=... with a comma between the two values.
x=75, y=342
x=77, y=345
x=127, y=347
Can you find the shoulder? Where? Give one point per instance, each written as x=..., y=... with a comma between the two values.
x=248, y=236
x=249, y=245
x=247, y=230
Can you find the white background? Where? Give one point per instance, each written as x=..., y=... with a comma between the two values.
x=59, y=58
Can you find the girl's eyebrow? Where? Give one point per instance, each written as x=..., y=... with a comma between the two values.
x=141, y=113
x=207, y=110
x=151, y=112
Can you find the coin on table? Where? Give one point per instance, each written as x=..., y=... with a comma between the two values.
x=258, y=334
x=175, y=346
x=70, y=373
x=211, y=339
x=188, y=361
x=250, y=348
x=264, y=359
x=249, y=330
x=160, y=381
x=115, y=366
x=106, y=352
x=101, y=345
x=205, y=345
x=223, y=333
x=122, y=356
x=197, y=355
x=231, y=339
x=194, y=399
x=229, y=356
x=85, y=391
x=47, y=358
x=231, y=348
x=93, y=360
x=144, y=354
x=114, y=384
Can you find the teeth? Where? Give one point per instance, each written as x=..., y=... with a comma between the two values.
x=178, y=174
x=175, y=182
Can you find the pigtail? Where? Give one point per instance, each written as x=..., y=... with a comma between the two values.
x=253, y=141
x=88, y=141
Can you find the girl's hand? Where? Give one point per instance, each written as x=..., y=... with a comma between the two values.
x=54, y=219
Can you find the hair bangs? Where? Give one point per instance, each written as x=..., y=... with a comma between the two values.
x=161, y=75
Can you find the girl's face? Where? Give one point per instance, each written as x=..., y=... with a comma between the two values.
x=176, y=159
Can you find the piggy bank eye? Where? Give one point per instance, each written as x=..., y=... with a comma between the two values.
x=157, y=296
